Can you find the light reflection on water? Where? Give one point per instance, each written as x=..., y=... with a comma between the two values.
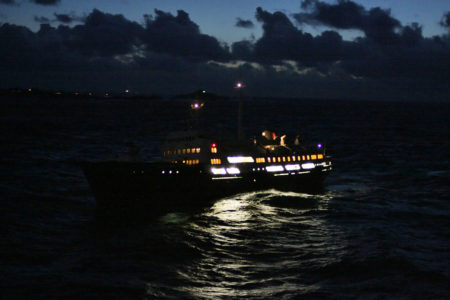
x=251, y=245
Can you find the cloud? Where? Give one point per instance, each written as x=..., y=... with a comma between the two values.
x=169, y=54
x=102, y=34
x=376, y=23
x=243, y=50
x=46, y=2
x=383, y=53
x=8, y=2
x=178, y=35
x=445, y=22
x=281, y=40
x=244, y=23
x=41, y=19
x=65, y=18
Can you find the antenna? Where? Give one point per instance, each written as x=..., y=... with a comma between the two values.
x=240, y=133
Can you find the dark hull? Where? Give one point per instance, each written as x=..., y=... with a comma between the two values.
x=121, y=185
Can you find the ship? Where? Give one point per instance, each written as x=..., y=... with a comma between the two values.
x=196, y=167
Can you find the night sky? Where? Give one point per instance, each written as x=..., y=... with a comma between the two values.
x=374, y=49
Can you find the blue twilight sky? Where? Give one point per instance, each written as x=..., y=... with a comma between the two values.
x=218, y=17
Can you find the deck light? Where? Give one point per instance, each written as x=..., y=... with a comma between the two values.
x=307, y=166
x=213, y=148
x=197, y=105
x=274, y=168
x=240, y=159
x=292, y=167
x=218, y=171
x=233, y=170
x=319, y=146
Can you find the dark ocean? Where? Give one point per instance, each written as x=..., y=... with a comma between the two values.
x=379, y=230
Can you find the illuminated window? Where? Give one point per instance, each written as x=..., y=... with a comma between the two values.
x=233, y=170
x=188, y=150
x=313, y=156
x=293, y=158
x=299, y=158
x=288, y=158
x=216, y=161
x=260, y=160
x=303, y=157
x=213, y=148
x=274, y=168
x=184, y=151
x=307, y=157
x=240, y=159
x=268, y=159
x=218, y=171
x=320, y=156
x=284, y=159
x=274, y=159
x=308, y=166
x=178, y=151
x=197, y=150
x=292, y=167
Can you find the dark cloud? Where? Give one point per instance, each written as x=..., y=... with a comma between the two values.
x=281, y=40
x=376, y=23
x=8, y=2
x=64, y=18
x=244, y=23
x=178, y=35
x=407, y=55
x=68, y=18
x=46, y=2
x=60, y=18
x=102, y=34
x=243, y=50
x=169, y=54
x=445, y=22
x=41, y=19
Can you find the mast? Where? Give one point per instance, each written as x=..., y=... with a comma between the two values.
x=240, y=132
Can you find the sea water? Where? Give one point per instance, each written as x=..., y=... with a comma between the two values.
x=380, y=228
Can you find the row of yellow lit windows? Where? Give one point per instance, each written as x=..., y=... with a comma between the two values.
x=213, y=150
x=216, y=161
x=191, y=162
x=182, y=151
x=288, y=158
